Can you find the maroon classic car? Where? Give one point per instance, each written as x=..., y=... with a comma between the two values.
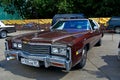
x=65, y=45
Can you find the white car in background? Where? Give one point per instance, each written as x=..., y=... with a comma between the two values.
x=4, y=29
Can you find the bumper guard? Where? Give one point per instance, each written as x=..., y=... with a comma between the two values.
x=48, y=60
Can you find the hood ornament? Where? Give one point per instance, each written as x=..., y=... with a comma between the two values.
x=36, y=35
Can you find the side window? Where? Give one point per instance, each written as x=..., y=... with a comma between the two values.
x=88, y=26
x=92, y=24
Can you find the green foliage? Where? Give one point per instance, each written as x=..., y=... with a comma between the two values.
x=65, y=6
x=48, y=8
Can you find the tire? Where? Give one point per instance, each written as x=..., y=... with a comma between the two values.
x=3, y=34
x=99, y=43
x=102, y=34
x=117, y=30
x=82, y=62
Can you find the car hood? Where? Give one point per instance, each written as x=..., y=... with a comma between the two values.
x=52, y=36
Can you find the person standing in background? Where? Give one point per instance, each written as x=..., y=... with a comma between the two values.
x=119, y=50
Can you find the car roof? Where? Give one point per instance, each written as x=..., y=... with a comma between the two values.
x=69, y=16
x=71, y=19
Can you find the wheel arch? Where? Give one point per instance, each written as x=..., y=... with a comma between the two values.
x=87, y=46
x=4, y=30
x=3, y=35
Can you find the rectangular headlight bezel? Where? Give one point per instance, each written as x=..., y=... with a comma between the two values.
x=17, y=45
x=60, y=50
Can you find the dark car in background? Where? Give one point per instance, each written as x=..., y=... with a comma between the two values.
x=29, y=25
x=5, y=29
x=114, y=24
x=66, y=16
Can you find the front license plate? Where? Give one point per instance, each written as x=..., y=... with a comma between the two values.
x=30, y=62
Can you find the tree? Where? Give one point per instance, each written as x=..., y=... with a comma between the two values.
x=48, y=8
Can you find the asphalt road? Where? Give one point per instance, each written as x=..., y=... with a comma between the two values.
x=102, y=64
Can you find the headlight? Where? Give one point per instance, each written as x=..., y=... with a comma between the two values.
x=59, y=51
x=62, y=51
x=17, y=45
x=55, y=50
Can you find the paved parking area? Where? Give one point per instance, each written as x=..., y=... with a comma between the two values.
x=102, y=64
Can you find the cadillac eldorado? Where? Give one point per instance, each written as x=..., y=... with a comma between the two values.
x=65, y=45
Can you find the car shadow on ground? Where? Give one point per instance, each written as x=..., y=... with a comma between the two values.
x=112, y=67
x=40, y=73
x=111, y=70
x=92, y=71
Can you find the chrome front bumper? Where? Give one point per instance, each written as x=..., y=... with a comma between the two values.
x=48, y=60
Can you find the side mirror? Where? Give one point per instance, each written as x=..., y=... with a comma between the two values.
x=50, y=27
x=96, y=27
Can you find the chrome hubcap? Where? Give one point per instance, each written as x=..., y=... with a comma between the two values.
x=3, y=34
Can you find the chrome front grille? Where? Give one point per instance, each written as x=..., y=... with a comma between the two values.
x=36, y=49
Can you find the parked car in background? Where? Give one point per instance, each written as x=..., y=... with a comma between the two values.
x=114, y=24
x=65, y=45
x=29, y=25
x=5, y=29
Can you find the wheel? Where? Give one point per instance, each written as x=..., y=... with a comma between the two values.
x=99, y=43
x=82, y=63
x=117, y=30
x=102, y=34
x=3, y=34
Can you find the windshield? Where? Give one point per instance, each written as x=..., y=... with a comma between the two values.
x=72, y=24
